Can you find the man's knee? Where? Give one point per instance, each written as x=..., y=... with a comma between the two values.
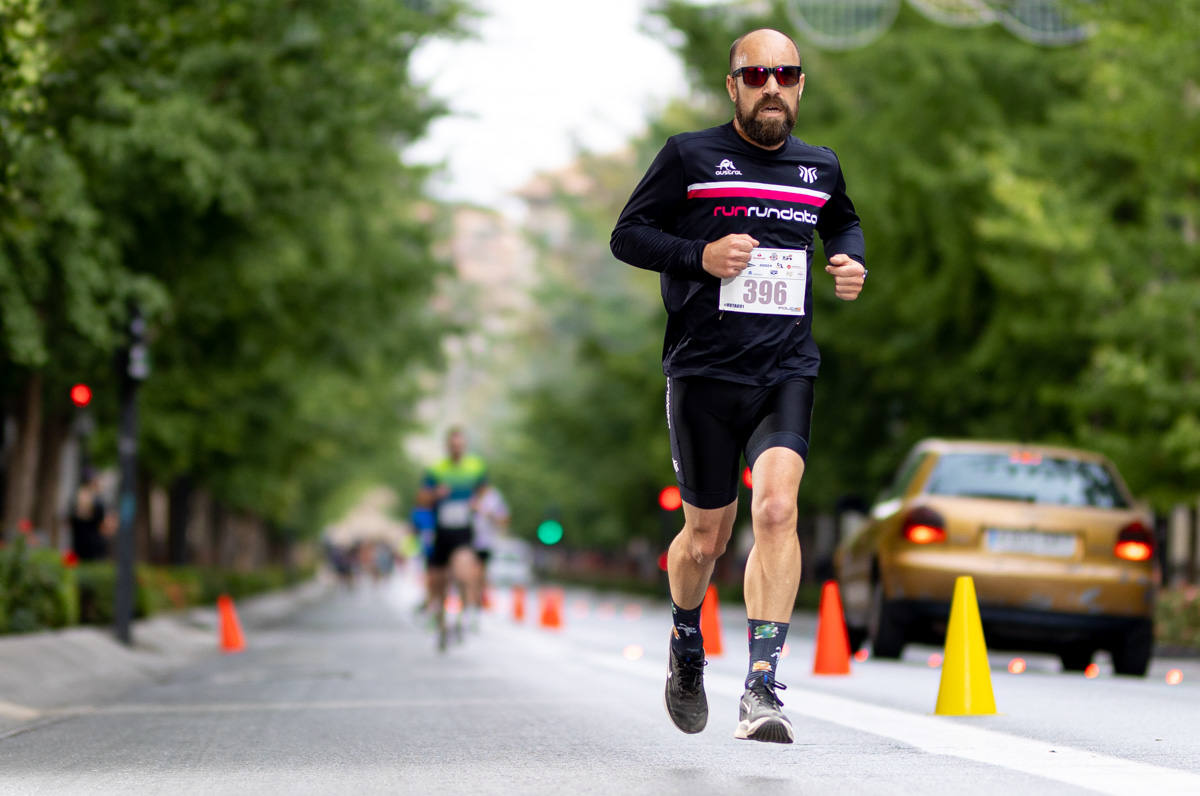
x=774, y=514
x=706, y=543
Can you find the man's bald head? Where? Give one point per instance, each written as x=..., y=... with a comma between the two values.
x=764, y=110
x=761, y=34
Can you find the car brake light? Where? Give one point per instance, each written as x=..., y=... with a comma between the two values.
x=923, y=525
x=1135, y=542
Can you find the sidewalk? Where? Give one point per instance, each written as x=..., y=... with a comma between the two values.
x=41, y=673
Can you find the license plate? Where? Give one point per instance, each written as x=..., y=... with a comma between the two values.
x=1034, y=543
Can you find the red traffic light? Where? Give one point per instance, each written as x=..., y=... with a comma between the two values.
x=669, y=498
x=81, y=395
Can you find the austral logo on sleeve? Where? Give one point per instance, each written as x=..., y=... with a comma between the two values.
x=726, y=169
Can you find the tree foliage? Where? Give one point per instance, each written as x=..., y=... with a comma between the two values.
x=1031, y=223
x=588, y=347
x=589, y=445
x=1134, y=163
x=233, y=170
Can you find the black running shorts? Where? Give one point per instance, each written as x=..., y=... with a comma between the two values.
x=713, y=423
x=445, y=542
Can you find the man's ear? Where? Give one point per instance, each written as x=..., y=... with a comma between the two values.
x=731, y=89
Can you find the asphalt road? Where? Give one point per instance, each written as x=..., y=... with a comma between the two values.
x=349, y=696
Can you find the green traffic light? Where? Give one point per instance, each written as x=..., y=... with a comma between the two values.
x=550, y=532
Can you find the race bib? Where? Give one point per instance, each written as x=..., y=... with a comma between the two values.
x=773, y=284
x=454, y=513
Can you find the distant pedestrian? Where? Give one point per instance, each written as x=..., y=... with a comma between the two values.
x=491, y=520
x=91, y=523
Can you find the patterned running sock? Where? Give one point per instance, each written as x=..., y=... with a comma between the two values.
x=766, y=645
x=686, y=641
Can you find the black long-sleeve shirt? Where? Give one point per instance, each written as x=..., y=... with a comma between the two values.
x=708, y=184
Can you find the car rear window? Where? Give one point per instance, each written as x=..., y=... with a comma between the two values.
x=1029, y=478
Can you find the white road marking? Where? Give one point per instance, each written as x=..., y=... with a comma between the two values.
x=10, y=710
x=941, y=736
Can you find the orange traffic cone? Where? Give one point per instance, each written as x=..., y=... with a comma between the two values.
x=833, y=644
x=518, y=603
x=552, y=609
x=231, y=630
x=710, y=623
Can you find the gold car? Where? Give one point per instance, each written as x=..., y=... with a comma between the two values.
x=1062, y=557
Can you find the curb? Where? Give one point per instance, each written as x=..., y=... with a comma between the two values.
x=44, y=676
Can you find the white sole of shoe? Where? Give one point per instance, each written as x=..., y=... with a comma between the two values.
x=767, y=729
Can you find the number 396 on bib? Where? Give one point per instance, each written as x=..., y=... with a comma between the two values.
x=772, y=284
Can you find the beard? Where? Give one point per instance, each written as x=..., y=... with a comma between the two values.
x=768, y=133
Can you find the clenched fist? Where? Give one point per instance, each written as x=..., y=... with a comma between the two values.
x=728, y=256
x=848, y=276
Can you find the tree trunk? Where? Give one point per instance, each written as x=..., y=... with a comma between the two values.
x=199, y=528
x=177, y=522
x=22, y=463
x=278, y=547
x=3, y=451
x=47, y=514
x=216, y=519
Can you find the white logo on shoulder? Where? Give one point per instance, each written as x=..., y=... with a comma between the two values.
x=726, y=169
x=808, y=173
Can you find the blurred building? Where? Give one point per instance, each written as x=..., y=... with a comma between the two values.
x=494, y=270
x=497, y=259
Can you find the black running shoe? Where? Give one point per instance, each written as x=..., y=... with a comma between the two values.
x=684, y=696
x=761, y=718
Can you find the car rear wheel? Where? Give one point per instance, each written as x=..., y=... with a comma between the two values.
x=857, y=636
x=886, y=628
x=1131, y=652
x=1076, y=659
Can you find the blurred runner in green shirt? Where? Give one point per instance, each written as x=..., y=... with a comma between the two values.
x=449, y=488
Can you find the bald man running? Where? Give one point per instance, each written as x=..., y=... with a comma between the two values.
x=727, y=217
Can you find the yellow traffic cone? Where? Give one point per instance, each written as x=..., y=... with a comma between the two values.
x=966, y=688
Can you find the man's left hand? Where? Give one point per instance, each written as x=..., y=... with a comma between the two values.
x=848, y=276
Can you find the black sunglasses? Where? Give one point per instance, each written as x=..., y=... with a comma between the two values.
x=756, y=76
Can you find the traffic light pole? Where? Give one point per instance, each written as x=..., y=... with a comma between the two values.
x=134, y=370
x=127, y=509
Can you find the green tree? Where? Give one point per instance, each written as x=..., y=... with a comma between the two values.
x=1031, y=224
x=1127, y=153
x=975, y=161
x=237, y=168
x=588, y=445
x=59, y=282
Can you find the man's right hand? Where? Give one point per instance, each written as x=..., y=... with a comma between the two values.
x=728, y=256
